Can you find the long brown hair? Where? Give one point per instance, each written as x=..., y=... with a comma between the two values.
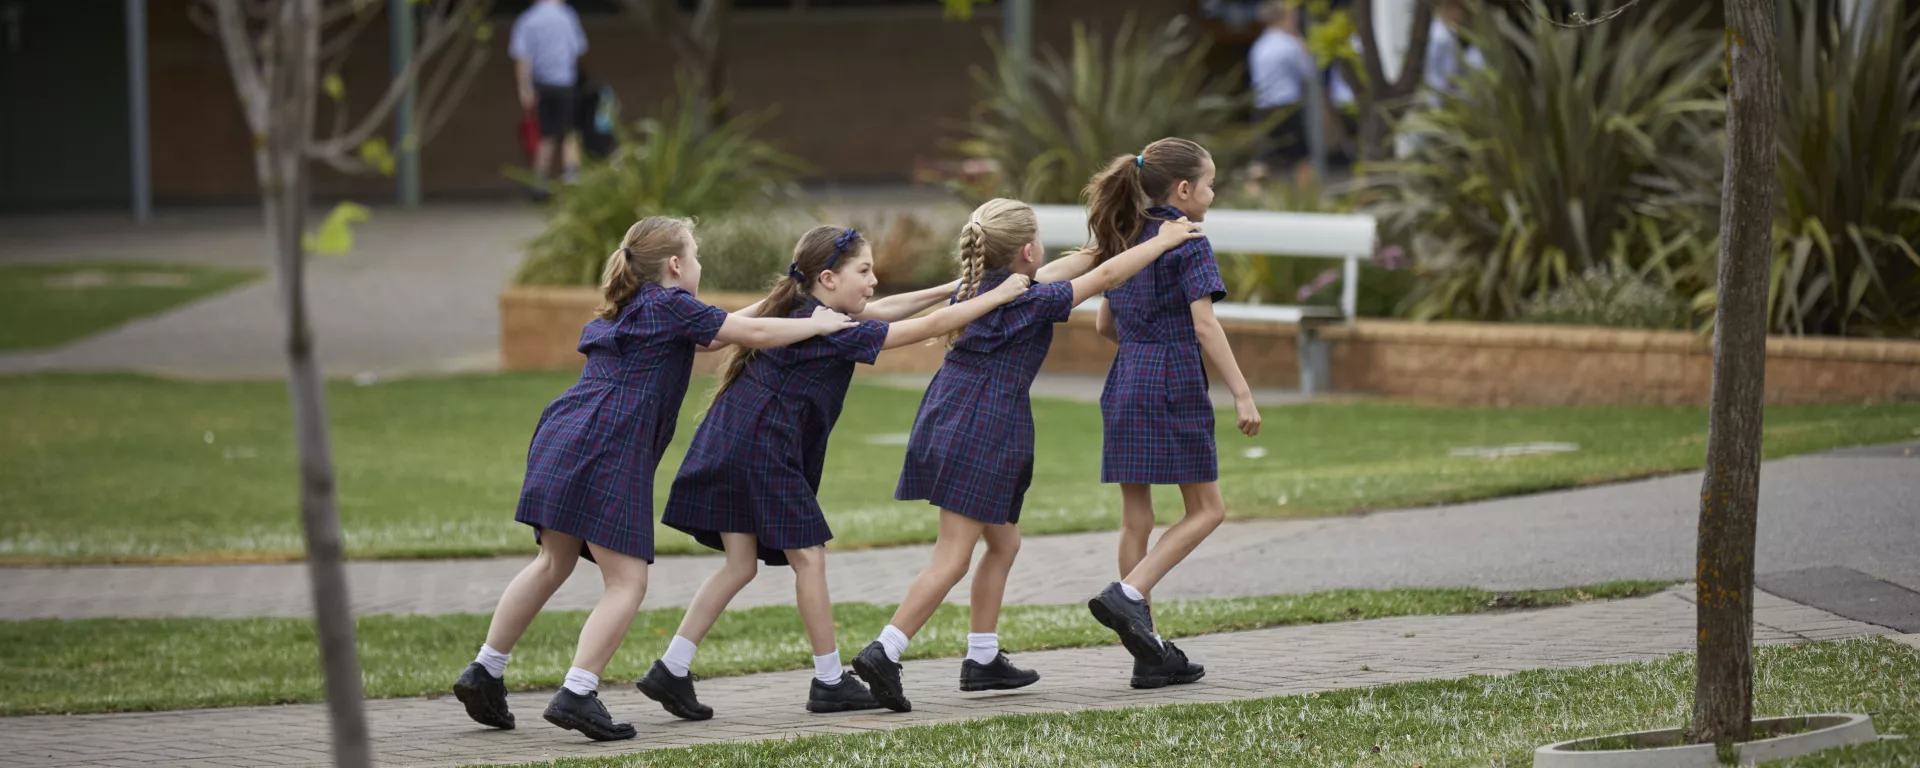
x=642, y=259
x=820, y=249
x=1119, y=196
x=989, y=241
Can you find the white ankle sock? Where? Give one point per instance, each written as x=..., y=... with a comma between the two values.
x=1131, y=593
x=826, y=668
x=679, y=656
x=982, y=647
x=581, y=681
x=894, y=642
x=494, y=661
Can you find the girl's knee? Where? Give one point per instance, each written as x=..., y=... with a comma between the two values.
x=741, y=570
x=1137, y=521
x=553, y=567
x=809, y=559
x=1003, y=545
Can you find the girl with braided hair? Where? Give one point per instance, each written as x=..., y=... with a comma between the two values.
x=971, y=451
x=749, y=482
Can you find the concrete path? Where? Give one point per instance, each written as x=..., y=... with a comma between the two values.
x=1852, y=510
x=1246, y=665
x=416, y=295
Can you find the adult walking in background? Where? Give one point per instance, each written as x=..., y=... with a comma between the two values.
x=1281, y=68
x=546, y=47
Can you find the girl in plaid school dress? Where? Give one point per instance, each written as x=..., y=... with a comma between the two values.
x=747, y=486
x=588, y=490
x=971, y=451
x=1157, y=416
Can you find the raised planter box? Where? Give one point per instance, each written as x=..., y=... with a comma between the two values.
x=1456, y=363
x=1662, y=748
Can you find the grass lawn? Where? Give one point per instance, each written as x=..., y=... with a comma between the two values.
x=124, y=468
x=44, y=305
x=110, y=665
x=1476, y=721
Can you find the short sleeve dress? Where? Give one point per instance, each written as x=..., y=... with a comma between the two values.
x=755, y=461
x=971, y=450
x=591, y=464
x=1158, y=418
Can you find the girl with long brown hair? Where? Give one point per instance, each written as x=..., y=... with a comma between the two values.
x=748, y=485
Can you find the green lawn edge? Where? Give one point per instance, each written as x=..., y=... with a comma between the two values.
x=85, y=666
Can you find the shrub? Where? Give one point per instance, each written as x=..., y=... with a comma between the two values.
x=1047, y=131
x=688, y=162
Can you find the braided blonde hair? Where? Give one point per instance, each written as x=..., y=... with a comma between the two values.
x=990, y=240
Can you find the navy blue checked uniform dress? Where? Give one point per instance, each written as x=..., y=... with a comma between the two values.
x=754, y=464
x=972, y=445
x=1158, y=418
x=590, y=468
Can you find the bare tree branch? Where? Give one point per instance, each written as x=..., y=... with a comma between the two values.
x=447, y=86
x=247, y=83
x=440, y=27
x=1576, y=19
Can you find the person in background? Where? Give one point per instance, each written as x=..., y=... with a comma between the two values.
x=1281, y=68
x=546, y=47
x=1447, y=55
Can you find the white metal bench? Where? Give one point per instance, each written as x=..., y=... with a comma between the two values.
x=1349, y=238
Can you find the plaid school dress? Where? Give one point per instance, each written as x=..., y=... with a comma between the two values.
x=754, y=464
x=1158, y=418
x=590, y=467
x=971, y=450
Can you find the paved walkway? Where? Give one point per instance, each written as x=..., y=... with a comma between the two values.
x=1246, y=665
x=1852, y=509
x=417, y=295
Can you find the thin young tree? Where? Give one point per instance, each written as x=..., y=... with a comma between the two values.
x=1730, y=494
x=283, y=56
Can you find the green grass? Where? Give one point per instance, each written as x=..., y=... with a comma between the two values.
x=130, y=469
x=1476, y=721
x=45, y=305
x=112, y=665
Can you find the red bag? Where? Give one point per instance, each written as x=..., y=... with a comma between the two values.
x=530, y=135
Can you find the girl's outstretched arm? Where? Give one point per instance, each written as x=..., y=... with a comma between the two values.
x=1066, y=267
x=955, y=317
x=898, y=307
x=764, y=332
x=751, y=310
x=1116, y=270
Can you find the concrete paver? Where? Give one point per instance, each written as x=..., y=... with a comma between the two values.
x=1245, y=665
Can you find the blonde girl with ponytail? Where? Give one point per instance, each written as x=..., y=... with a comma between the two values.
x=750, y=481
x=588, y=491
x=971, y=451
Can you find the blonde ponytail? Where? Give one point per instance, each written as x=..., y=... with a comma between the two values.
x=641, y=259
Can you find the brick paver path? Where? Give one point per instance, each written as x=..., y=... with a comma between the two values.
x=1272, y=662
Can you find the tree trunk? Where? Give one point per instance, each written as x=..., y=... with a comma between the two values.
x=710, y=35
x=282, y=165
x=1730, y=494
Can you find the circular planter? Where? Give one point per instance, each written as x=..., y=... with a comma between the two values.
x=1663, y=748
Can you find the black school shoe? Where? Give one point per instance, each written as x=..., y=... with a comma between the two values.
x=1131, y=619
x=1173, y=668
x=673, y=692
x=485, y=697
x=587, y=715
x=997, y=675
x=845, y=696
x=873, y=666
